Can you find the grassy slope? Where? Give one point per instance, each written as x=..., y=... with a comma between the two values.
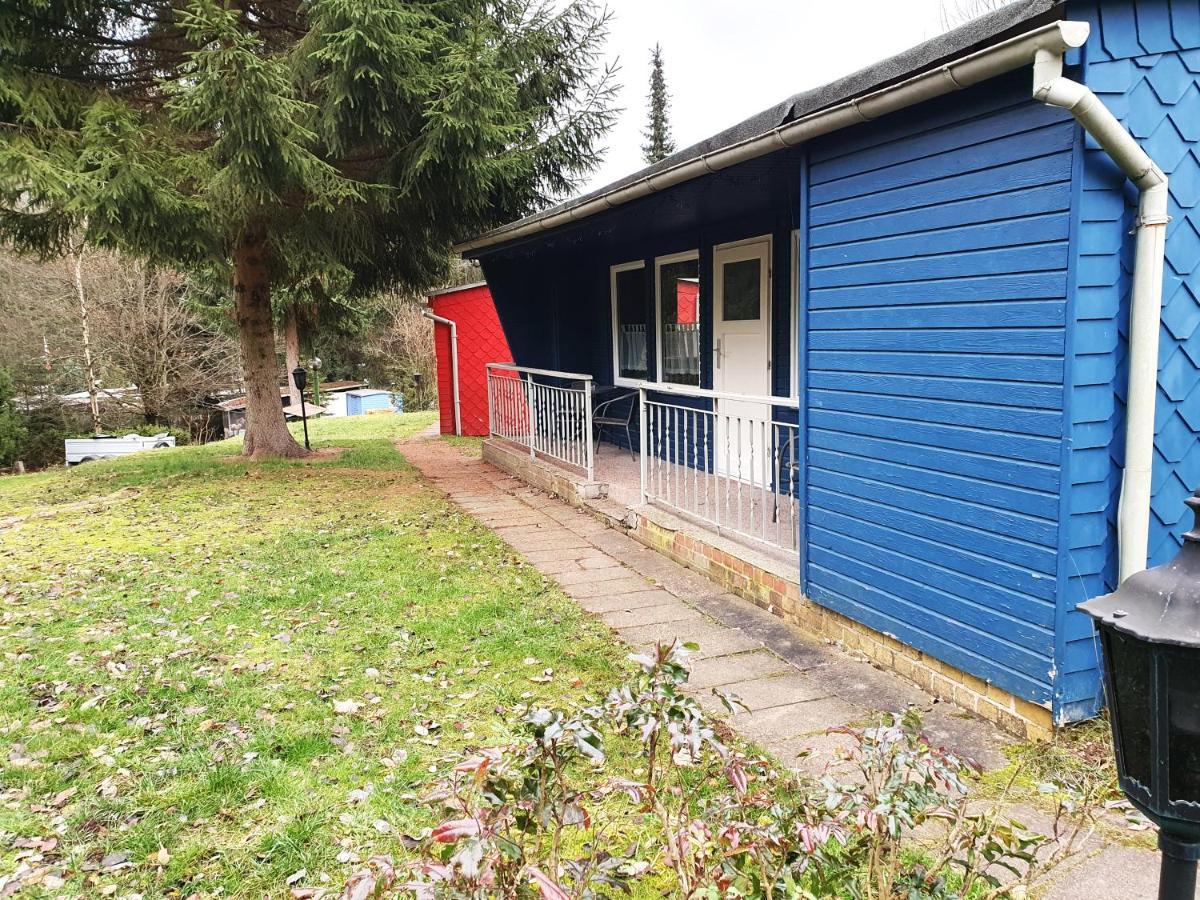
x=175, y=628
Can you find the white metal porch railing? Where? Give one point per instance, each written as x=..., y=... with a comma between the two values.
x=731, y=465
x=720, y=458
x=548, y=412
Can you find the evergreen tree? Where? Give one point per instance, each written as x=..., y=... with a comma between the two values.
x=12, y=430
x=659, y=144
x=282, y=141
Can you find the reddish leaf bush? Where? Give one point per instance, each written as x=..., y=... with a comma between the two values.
x=543, y=818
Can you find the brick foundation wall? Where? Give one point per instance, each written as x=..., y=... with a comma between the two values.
x=517, y=461
x=782, y=597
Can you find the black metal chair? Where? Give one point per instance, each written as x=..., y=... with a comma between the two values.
x=615, y=411
x=788, y=462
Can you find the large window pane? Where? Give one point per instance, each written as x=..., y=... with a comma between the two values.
x=629, y=287
x=741, y=298
x=679, y=298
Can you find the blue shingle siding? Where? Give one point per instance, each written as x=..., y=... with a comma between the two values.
x=1143, y=63
x=936, y=331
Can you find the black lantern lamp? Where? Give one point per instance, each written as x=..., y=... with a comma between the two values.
x=1150, y=637
x=300, y=377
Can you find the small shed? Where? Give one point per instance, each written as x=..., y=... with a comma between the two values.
x=233, y=413
x=368, y=400
x=480, y=340
x=333, y=396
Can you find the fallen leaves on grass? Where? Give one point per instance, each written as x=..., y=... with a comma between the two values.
x=187, y=670
x=378, y=876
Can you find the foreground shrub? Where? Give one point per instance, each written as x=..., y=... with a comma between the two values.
x=539, y=818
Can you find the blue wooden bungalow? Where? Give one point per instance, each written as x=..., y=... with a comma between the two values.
x=935, y=285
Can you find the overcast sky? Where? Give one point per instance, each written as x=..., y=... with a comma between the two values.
x=728, y=59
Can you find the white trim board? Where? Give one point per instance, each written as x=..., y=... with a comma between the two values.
x=613, y=271
x=659, y=262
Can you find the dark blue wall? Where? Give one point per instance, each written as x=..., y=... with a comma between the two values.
x=552, y=295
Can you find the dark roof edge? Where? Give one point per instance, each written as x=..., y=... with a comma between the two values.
x=455, y=289
x=991, y=28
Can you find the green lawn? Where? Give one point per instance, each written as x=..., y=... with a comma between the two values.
x=218, y=674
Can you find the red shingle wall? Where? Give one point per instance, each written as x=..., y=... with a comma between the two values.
x=687, y=302
x=480, y=341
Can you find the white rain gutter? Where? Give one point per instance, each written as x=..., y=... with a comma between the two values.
x=453, y=365
x=1005, y=56
x=1145, y=307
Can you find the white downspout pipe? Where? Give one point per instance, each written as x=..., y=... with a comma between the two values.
x=1145, y=309
x=453, y=365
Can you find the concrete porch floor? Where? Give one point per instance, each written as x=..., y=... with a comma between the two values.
x=619, y=470
x=796, y=688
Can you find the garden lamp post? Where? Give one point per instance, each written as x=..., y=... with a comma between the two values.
x=316, y=367
x=300, y=377
x=1150, y=638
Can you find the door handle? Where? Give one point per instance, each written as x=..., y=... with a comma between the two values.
x=717, y=352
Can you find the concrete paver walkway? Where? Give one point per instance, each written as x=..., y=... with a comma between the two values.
x=795, y=687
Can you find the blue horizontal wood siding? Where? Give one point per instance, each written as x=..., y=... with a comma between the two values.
x=936, y=321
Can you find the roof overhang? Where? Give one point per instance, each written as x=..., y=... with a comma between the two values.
x=995, y=51
x=441, y=292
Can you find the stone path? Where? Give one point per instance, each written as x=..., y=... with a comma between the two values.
x=796, y=687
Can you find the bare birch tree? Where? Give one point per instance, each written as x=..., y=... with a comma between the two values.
x=137, y=326
x=149, y=335
x=78, y=249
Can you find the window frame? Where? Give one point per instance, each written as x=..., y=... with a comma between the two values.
x=659, y=262
x=613, y=272
x=794, y=335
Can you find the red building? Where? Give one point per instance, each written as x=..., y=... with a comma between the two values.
x=687, y=301
x=475, y=340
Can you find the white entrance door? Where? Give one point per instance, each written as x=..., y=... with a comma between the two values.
x=741, y=357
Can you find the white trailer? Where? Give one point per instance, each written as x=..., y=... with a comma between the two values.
x=105, y=446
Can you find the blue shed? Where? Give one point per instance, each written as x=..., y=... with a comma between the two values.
x=364, y=400
x=928, y=294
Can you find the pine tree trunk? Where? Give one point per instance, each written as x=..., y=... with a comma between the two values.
x=267, y=435
x=291, y=345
